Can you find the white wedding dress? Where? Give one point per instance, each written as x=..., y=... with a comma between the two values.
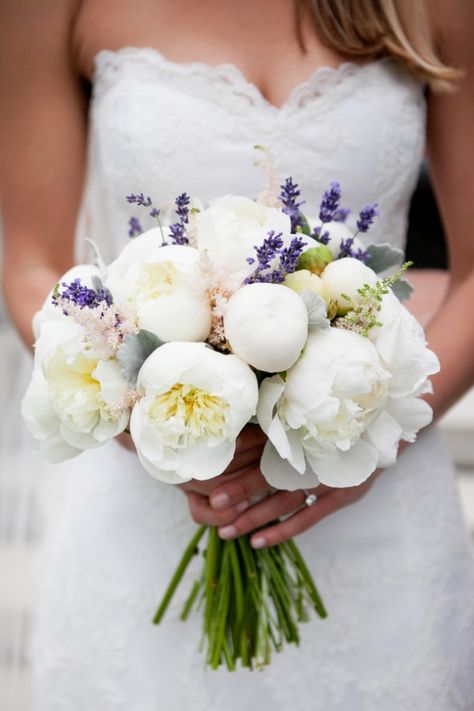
x=395, y=569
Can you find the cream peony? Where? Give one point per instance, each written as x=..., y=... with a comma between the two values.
x=316, y=420
x=230, y=228
x=195, y=402
x=304, y=280
x=76, y=399
x=162, y=288
x=344, y=277
x=266, y=325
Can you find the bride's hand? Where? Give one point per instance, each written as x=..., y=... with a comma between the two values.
x=228, y=506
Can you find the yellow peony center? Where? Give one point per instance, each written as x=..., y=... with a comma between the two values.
x=157, y=278
x=200, y=413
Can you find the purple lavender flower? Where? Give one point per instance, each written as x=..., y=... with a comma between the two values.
x=321, y=238
x=139, y=199
x=80, y=295
x=271, y=249
x=347, y=250
x=330, y=203
x=366, y=217
x=341, y=214
x=154, y=212
x=289, y=195
x=178, y=229
x=134, y=227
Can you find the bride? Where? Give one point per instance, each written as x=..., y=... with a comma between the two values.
x=181, y=91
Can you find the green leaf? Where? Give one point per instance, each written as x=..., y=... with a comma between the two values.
x=383, y=256
x=402, y=289
x=134, y=351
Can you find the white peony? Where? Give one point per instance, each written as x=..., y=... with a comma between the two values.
x=401, y=344
x=76, y=399
x=232, y=226
x=266, y=325
x=162, y=288
x=344, y=277
x=318, y=419
x=195, y=402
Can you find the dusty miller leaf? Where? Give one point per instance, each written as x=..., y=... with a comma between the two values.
x=98, y=285
x=98, y=260
x=134, y=351
x=402, y=289
x=383, y=256
x=316, y=308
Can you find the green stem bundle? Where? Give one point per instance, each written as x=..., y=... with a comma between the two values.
x=253, y=600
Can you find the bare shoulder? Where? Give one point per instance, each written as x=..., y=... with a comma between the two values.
x=452, y=26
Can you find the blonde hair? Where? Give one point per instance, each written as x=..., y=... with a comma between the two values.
x=367, y=29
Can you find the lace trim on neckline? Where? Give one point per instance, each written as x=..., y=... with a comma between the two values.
x=108, y=62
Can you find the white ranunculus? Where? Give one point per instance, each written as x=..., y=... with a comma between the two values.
x=266, y=325
x=344, y=277
x=163, y=288
x=76, y=399
x=319, y=419
x=84, y=272
x=304, y=280
x=195, y=402
x=232, y=226
x=337, y=232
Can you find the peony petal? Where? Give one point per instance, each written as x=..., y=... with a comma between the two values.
x=55, y=449
x=346, y=468
x=411, y=413
x=281, y=475
x=385, y=434
x=271, y=390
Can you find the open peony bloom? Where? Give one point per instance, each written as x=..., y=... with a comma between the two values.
x=316, y=420
x=195, y=402
x=266, y=325
x=76, y=399
x=232, y=226
x=162, y=288
x=344, y=277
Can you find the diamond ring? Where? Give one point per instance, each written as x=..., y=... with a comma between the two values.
x=310, y=499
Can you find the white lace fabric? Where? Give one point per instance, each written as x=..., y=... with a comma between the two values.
x=395, y=569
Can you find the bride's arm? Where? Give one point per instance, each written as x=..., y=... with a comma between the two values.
x=450, y=332
x=42, y=151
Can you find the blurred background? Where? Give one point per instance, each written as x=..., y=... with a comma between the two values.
x=22, y=510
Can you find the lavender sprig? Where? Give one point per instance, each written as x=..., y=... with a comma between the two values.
x=80, y=295
x=272, y=248
x=134, y=227
x=347, y=250
x=139, y=199
x=330, y=203
x=177, y=231
x=366, y=217
x=289, y=195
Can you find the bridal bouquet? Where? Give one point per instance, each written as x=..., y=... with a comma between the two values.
x=240, y=311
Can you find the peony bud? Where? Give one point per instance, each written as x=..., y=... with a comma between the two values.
x=266, y=325
x=344, y=277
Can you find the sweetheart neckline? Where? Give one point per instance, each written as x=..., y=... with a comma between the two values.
x=315, y=84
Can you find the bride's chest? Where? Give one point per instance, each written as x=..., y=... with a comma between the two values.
x=193, y=127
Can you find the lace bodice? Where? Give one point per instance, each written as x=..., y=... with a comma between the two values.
x=164, y=128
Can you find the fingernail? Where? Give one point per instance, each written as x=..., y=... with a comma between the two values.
x=258, y=542
x=242, y=506
x=227, y=532
x=220, y=501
